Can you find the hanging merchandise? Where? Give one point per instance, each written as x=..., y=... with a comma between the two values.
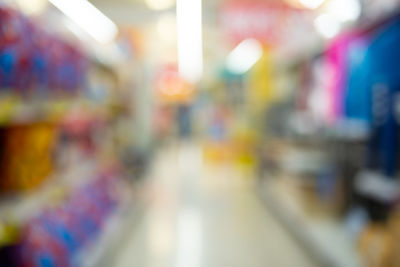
x=381, y=79
x=356, y=101
x=336, y=60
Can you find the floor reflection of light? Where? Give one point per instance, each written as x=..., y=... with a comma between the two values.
x=190, y=161
x=160, y=238
x=189, y=238
x=189, y=224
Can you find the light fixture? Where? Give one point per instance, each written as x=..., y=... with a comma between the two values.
x=89, y=18
x=190, y=40
x=244, y=56
x=327, y=25
x=312, y=4
x=160, y=4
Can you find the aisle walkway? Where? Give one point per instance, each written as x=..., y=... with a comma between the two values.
x=199, y=216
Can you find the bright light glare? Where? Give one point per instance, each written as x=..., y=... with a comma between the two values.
x=313, y=4
x=32, y=7
x=344, y=10
x=244, y=56
x=88, y=18
x=160, y=4
x=189, y=238
x=327, y=25
x=190, y=41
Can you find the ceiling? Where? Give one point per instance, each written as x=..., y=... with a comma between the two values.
x=136, y=12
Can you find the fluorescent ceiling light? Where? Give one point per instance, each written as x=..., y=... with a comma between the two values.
x=89, y=18
x=244, y=56
x=313, y=4
x=327, y=25
x=190, y=40
x=160, y=4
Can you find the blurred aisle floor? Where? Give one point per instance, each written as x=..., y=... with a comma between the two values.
x=202, y=216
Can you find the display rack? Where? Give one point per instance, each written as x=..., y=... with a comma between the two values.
x=99, y=253
x=20, y=208
x=325, y=239
x=77, y=203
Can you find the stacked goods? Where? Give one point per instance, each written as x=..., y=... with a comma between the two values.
x=52, y=129
x=56, y=236
x=25, y=156
x=33, y=61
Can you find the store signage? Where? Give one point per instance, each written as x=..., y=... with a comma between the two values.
x=262, y=20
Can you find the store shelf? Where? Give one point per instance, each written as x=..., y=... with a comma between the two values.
x=325, y=239
x=377, y=186
x=18, y=209
x=103, y=248
x=15, y=110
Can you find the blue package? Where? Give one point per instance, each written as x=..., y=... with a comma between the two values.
x=8, y=64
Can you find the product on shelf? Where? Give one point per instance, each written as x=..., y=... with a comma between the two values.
x=34, y=60
x=26, y=156
x=56, y=236
x=46, y=116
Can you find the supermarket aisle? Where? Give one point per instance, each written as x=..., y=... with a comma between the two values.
x=200, y=216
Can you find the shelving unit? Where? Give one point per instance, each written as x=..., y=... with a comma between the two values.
x=72, y=206
x=325, y=239
x=20, y=208
x=98, y=253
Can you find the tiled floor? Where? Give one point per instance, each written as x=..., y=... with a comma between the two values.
x=202, y=216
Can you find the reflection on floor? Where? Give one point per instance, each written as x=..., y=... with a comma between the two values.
x=201, y=216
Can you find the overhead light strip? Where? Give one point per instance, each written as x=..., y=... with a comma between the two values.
x=190, y=40
x=89, y=18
